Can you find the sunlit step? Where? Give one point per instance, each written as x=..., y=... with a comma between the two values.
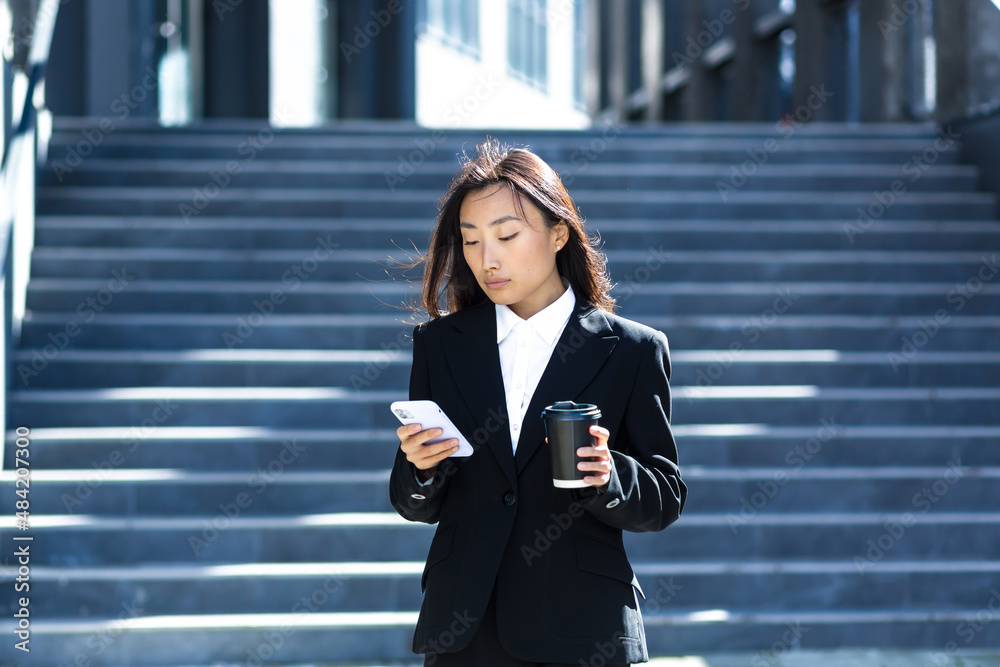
x=173, y=476
x=299, y=394
x=357, y=520
x=339, y=435
x=361, y=570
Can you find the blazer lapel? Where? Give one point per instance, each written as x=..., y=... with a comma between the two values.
x=474, y=360
x=583, y=348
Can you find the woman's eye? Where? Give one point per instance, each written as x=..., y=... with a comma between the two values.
x=504, y=238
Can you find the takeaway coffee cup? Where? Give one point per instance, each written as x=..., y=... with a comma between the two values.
x=567, y=426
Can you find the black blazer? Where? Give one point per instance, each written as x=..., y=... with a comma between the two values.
x=565, y=589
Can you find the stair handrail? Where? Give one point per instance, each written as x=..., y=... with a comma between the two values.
x=24, y=153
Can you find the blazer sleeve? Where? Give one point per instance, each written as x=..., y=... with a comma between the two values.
x=645, y=491
x=413, y=501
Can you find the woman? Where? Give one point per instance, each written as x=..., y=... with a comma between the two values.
x=520, y=572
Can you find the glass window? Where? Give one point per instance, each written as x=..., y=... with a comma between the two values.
x=579, y=53
x=527, y=41
x=454, y=22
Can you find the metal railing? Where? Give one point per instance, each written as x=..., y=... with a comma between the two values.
x=24, y=99
x=763, y=60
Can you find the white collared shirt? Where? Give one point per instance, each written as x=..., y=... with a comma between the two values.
x=525, y=349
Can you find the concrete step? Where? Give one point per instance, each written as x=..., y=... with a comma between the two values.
x=602, y=175
x=94, y=592
x=282, y=486
x=387, y=370
x=807, y=438
x=742, y=153
x=410, y=155
x=50, y=332
x=238, y=448
x=344, y=407
x=629, y=267
x=213, y=537
x=137, y=129
x=349, y=638
x=766, y=300
x=189, y=204
x=665, y=235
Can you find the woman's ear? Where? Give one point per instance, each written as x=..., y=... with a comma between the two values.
x=562, y=235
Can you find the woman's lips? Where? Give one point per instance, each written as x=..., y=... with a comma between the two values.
x=495, y=285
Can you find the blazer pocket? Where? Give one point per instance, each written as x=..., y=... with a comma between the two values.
x=440, y=548
x=600, y=557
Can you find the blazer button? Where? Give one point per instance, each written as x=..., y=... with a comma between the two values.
x=418, y=496
x=509, y=499
x=612, y=503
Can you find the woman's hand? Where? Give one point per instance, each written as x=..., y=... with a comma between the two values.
x=424, y=457
x=602, y=464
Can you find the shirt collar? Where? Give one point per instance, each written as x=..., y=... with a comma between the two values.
x=547, y=322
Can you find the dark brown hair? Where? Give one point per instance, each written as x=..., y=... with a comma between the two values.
x=446, y=272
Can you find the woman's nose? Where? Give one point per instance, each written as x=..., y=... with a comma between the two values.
x=491, y=257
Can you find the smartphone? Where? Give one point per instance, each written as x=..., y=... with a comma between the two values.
x=430, y=415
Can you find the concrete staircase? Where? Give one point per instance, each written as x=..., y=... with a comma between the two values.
x=212, y=347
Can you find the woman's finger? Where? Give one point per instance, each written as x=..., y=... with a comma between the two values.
x=433, y=459
x=406, y=430
x=414, y=440
x=597, y=481
x=602, y=452
x=601, y=435
x=427, y=456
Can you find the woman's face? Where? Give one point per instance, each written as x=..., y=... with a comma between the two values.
x=513, y=259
